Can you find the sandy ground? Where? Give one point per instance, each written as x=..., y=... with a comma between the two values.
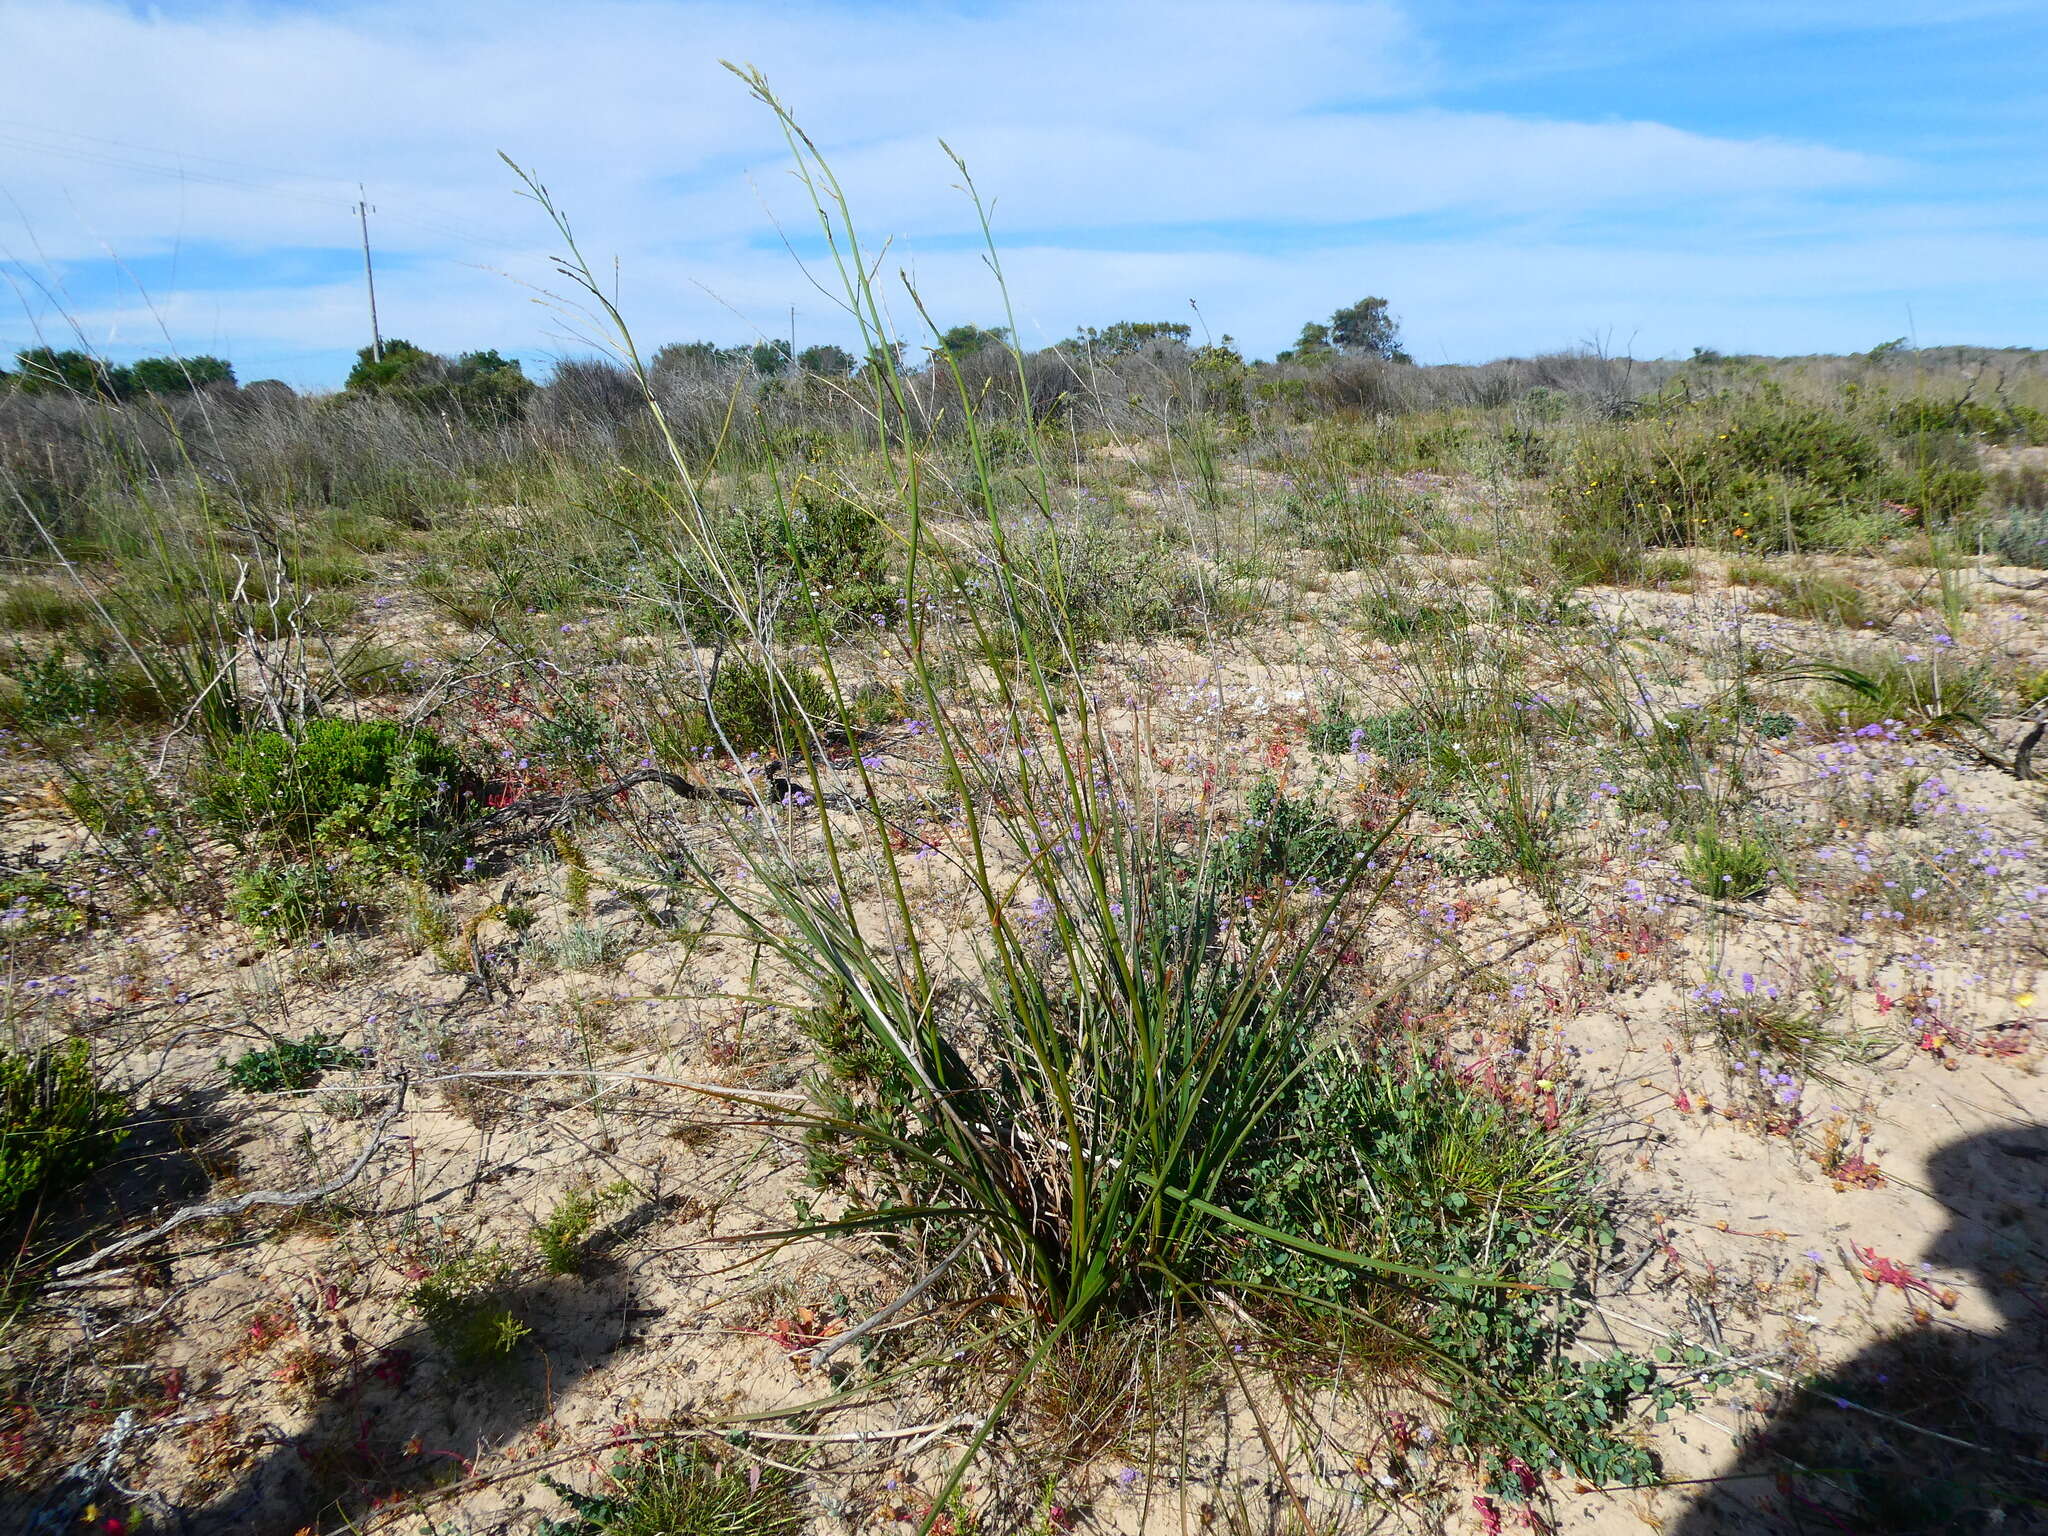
x=1887, y=1216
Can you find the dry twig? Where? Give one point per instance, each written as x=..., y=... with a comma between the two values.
x=241, y=1203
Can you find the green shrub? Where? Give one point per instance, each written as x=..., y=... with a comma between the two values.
x=35, y=605
x=695, y=1488
x=1357, y=530
x=1910, y=689
x=57, y=1123
x=286, y=903
x=1806, y=594
x=464, y=1305
x=826, y=551
x=34, y=906
x=52, y=689
x=2019, y=538
x=1399, y=736
x=755, y=712
x=481, y=386
x=1807, y=443
x=841, y=554
x=1086, y=585
x=1281, y=839
x=1768, y=475
x=1396, y=618
x=286, y=1065
x=388, y=794
x=1920, y=417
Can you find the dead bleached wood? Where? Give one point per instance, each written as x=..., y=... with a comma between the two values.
x=241, y=1203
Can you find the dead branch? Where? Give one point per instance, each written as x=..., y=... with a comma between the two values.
x=81, y=1482
x=536, y=816
x=241, y=1203
x=825, y=1350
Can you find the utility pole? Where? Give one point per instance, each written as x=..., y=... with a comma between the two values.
x=363, y=212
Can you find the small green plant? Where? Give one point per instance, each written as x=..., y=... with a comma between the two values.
x=35, y=906
x=1771, y=1033
x=1730, y=869
x=38, y=606
x=1398, y=736
x=387, y=794
x=52, y=689
x=57, y=1122
x=288, y=903
x=756, y=710
x=1806, y=594
x=563, y=1238
x=464, y=1305
x=1405, y=1158
x=1282, y=839
x=694, y=1488
x=1396, y=618
x=287, y=1065
x=1357, y=530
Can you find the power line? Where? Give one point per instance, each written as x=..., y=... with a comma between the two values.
x=452, y=228
x=151, y=149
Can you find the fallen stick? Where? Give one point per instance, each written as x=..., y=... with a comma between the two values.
x=532, y=818
x=725, y=1091
x=824, y=1351
x=241, y=1203
x=80, y=1483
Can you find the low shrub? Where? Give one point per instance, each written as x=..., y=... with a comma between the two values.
x=693, y=1488
x=463, y=1302
x=564, y=1237
x=1281, y=839
x=35, y=906
x=1357, y=530
x=388, y=795
x=757, y=710
x=92, y=690
x=1915, y=690
x=39, y=606
x=1399, y=1156
x=1399, y=737
x=1769, y=475
x=58, y=1123
x=286, y=903
x=822, y=558
x=1806, y=594
x=1088, y=584
x=1921, y=417
x=287, y=1065
x=1396, y=618
x=2018, y=538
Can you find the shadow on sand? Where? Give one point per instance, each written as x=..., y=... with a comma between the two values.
x=1840, y=1456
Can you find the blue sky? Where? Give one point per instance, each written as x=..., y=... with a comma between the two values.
x=1515, y=175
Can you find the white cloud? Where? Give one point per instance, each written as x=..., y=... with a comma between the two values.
x=1136, y=151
